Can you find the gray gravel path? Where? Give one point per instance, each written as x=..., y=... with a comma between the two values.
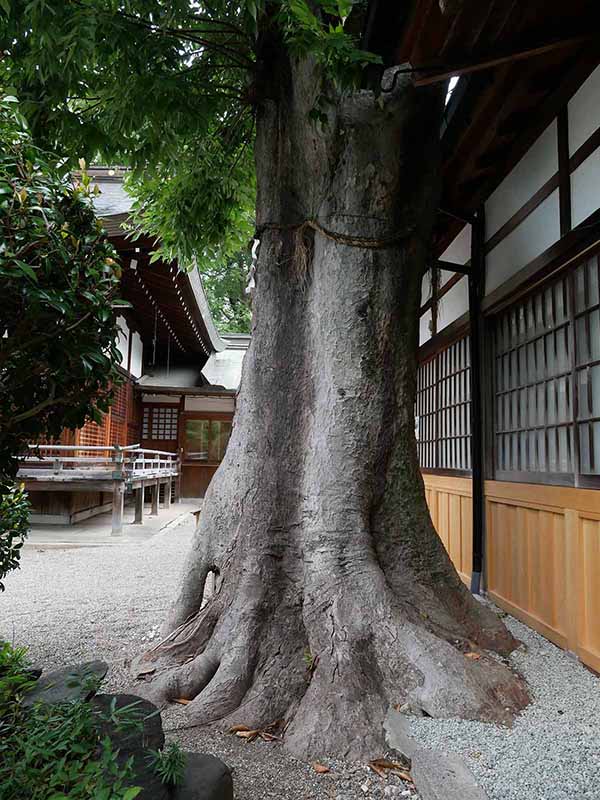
x=552, y=752
x=74, y=604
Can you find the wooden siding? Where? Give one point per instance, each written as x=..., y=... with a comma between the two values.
x=450, y=506
x=542, y=554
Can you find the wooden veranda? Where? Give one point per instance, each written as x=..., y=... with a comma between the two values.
x=111, y=468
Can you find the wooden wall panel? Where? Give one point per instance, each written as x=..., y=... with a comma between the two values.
x=449, y=501
x=543, y=561
x=542, y=554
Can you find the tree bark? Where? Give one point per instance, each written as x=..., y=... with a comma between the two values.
x=336, y=597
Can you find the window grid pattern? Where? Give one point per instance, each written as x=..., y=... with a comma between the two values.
x=587, y=364
x=160, y=423
x=547, y=380
x=443, y=408
x=533, y=405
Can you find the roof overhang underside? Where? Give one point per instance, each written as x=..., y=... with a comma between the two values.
x=519, y=64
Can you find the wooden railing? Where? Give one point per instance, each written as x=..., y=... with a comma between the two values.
x=67, y=462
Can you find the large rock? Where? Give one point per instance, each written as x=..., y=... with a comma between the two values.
x=77, y=682
x=149, y=737
x=444, y=776
x=206, y=778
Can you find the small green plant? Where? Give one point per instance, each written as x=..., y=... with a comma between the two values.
x=14, y=527
x=15, y=678
x=169, y=764
x=57, y=752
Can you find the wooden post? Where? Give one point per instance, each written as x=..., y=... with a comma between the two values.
x=476, y=288
x=179, y=476
x=155, y=491
x=118, y=500
x=168, y=485
x=139, y=505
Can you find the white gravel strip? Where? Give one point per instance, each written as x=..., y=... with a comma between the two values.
x=552, y=752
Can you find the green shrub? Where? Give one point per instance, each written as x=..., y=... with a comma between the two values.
x=14, y=527
x=55, y=752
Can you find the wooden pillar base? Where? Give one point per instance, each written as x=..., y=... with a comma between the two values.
x=155, y=492
x=117, y=509
x=168, y=485
x=139, y=506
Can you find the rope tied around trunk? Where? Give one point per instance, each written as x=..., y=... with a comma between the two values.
x=303, y=249
x=368, y=242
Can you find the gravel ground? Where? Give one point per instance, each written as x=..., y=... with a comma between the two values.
x=552, y=751
x=72, y=604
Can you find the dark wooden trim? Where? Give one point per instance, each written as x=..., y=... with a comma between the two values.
x=519, y=216
x=541, y=478
x=451, y=333
x=564, y=175
x=589, y=482
x=476, y=289
x=448, y=71
x=451, y=473
x=449, y=266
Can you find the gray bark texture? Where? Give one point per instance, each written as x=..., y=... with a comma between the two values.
x=336, y=598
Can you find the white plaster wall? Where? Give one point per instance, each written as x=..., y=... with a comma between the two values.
x=424, y=329
x=160, y=398
x=426, y=288
x=453, y=304
x=584, y=111
x=123, y=340
x=137, y=351
x=459, y=252
x=536, y=167
x=585, y=188
x=535, y=234
x=225, y=404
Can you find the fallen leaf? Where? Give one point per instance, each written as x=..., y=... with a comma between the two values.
x=473, y=656
x=249, y=735
x=237, y=728
x=381, y=765
x=182, y=701
x=148, y=669
x=320, y=768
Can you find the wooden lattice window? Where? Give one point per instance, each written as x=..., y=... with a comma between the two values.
x=443, y=409
x=160, y=423
x=587, y=364
x=547, y=382
x=533, y=405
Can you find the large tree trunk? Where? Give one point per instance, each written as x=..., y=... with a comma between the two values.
x=336, y=598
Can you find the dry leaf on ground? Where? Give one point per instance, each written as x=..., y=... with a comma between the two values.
x=320, y=768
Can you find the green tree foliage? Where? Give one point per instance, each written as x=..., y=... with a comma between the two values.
x=168, y=87
x=225, y=282
x=59, y=277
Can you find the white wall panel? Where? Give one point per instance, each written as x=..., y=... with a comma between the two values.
x=137, y=349
x=424, y=328
x=585, y=188
x=535, y=234
x=209, y=404
x=123, y=340
x=459, y=252
x=453, y=304
x=584, y=111
x=536, y=167
x=426, y=288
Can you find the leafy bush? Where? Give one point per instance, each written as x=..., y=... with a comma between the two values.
x=55, y=752
x=59, y=276
x=14, y=526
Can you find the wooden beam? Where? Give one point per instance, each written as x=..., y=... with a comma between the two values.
x=155, y=491
x=117, y=508
x=139, y=505
x=465, y=68
x=564, y=174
